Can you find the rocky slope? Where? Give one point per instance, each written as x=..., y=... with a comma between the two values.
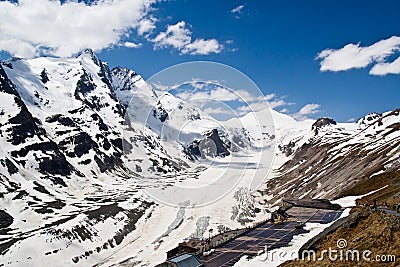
x=332, y=158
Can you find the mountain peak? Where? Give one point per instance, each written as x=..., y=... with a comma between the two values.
x=322, y=122
x=88, y=53
x=369, y=118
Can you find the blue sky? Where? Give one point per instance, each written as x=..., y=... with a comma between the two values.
x=275, y=43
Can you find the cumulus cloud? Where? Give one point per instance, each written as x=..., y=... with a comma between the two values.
x=310, y=109
x=32, y=28
x=146, y=25
x=158, y=86
x=186, y=95
x=252, y=107
x=355, y=56
x=242, y=101
x=275, y=103
x=386, y=68
x=306, y=110
x=176, y=36
x=132, y=45
x=221, y=93
x=260, y=104
x=218, y=111
x=179, y=37
x=202, y=47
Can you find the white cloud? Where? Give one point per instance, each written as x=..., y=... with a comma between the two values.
x=310, y=109
x=198, y=84
x=176, y=36
x=187, y=95
x=351, y=120
x=132, y=45
x=260, y=103
x=179, y=37
x=247, y=102
x=218, y=111
x=252, y=107
x=306, y=110
x=243, y=100
x=354, y=56
x=386, y=68
x=237, y=11
x=220, y=94
x=269, y=96
x=30, y=28
x=146, y=25
x=223, y=94
x=202, y=47
x=158, y=86
x=277, y=103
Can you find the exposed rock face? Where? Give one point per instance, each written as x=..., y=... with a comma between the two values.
x=221, y=146
x=321, y=122
x=210, y=146
x=44, y=77
x=288, y=149
x=5, y=219
x=159, y=112
x=369, y=118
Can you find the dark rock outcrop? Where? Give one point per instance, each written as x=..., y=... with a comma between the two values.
x=321, y=122
x=5, y=219
x=369, y=118
x=211, y=146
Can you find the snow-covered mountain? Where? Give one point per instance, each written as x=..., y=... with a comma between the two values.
x=75, y=153
x=79, y=142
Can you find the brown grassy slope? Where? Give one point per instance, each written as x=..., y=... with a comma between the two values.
x=390, y=194
x=374, y=231
x=367, y=229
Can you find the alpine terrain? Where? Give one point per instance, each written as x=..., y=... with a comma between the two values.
x=82, y=146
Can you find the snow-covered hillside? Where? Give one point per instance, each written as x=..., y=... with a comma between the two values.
x=334, y=157
x=85, y=150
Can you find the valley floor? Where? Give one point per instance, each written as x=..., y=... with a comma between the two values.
x=167, y=225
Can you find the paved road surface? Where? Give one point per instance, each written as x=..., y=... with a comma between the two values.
x=267, y=234
x=391, y=212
